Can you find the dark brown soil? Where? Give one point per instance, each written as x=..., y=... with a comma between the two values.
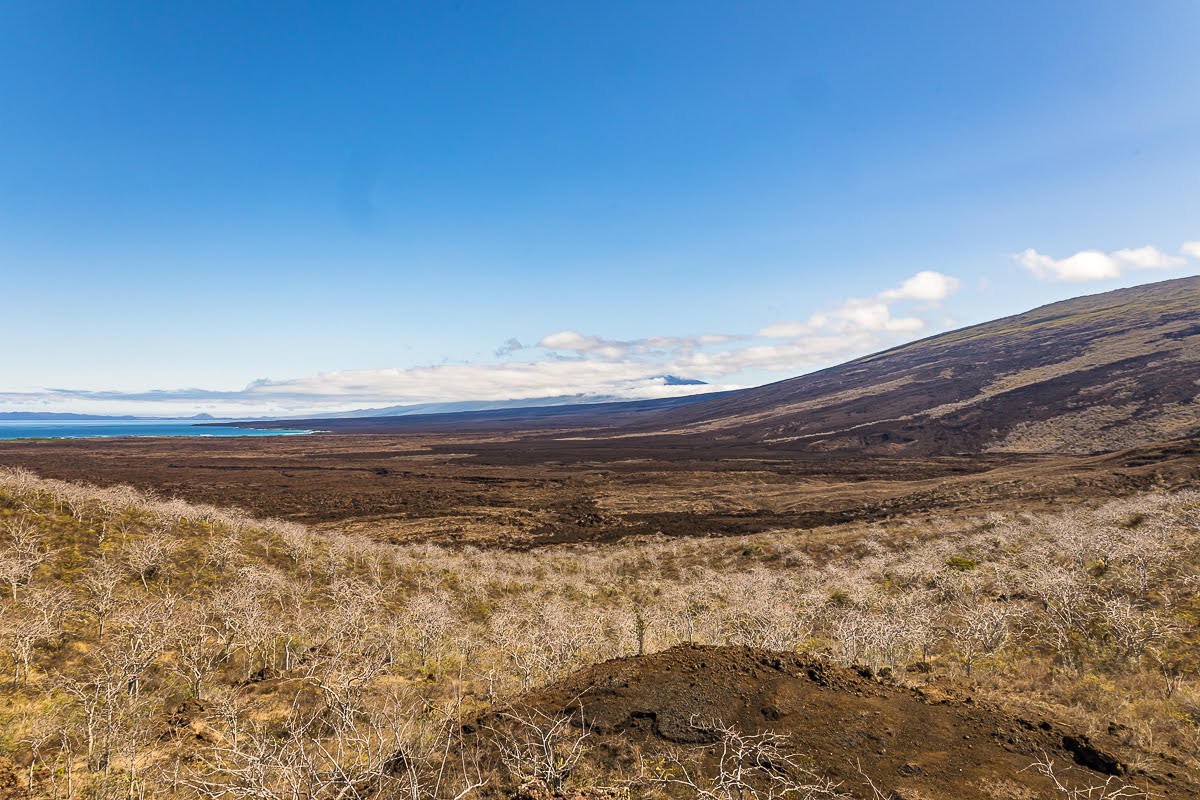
x=521, y=492
x=915, y=743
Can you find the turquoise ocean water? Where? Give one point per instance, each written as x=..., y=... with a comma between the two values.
x=83, y=429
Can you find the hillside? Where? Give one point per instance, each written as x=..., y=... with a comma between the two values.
x=1090, y=374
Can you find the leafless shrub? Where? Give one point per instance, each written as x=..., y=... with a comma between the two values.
x=1066, y=602
x=346, y=659
x=24, y=553
x=19, y=483
x=108, y=713
x=381, y=755
x=321, y=631
x=980, y=629
x=765, y=610
x=538, y=748
x=142, y=631
x=748, y=767
x=876, y=636
x=246, y=612
x=687, y=611
x=1134, y=631
x=299, y=543
x=1111, y=789
x=298, y=762
x=200, y=645
x=146, y=556
x=100, y=588
x=223, y=552
x=34, y=621
x=427, y=619
x=540, y=641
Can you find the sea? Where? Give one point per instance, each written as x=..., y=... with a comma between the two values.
x=87, y=429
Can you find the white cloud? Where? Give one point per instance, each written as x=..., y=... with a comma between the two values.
x=784, y=330
x=716, y=338
x=1094, y=265
x=578, y=343
x=926, y=285
x=447, y=382
x=574, y=342
x=1191, y=249
x=1147, y=258
x=345, y=390
x=1087, y=265
x=563, y=363
x=868, y=315
x=874, y=314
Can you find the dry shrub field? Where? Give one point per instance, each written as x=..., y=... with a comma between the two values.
x=152, y=647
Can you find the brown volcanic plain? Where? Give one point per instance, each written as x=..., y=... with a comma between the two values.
x=1089, y=398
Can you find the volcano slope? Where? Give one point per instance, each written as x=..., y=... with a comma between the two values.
x=1091, y=374
x=869, y=738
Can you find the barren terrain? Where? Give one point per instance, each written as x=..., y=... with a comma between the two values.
x=521, y=491
x=924, y=742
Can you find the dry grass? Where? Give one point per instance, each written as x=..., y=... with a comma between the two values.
x=1100, y=429
x=154, y=646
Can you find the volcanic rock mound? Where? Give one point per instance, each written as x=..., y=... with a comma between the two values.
x=913, y=743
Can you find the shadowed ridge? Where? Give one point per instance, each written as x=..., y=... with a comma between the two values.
x=1091, y=374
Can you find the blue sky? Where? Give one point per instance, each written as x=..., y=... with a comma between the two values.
x=283, y=207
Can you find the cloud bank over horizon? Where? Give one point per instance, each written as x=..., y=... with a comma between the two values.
x=583, y=366
x=565, y=363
